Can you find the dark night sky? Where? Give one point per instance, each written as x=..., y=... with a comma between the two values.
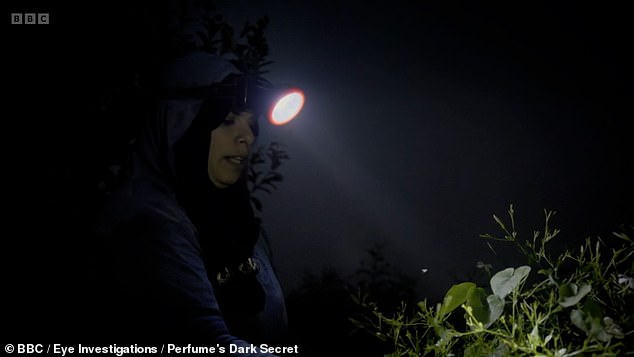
x=423, y=119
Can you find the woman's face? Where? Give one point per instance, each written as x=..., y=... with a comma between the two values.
x=229, y=149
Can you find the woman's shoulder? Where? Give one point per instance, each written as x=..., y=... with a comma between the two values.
x=138, y=206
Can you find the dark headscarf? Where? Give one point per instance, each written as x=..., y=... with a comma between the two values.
x=223, y=217
x=172, y=153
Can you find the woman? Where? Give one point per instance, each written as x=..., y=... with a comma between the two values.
x=179, y=244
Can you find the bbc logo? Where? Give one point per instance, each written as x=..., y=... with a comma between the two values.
x=41, y=18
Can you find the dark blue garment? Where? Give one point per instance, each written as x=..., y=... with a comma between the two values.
x=156, y=280
x=153, y=279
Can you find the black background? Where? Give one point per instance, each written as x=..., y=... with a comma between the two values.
x=559, y=136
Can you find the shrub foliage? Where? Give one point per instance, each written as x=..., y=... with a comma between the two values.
x=577, y=302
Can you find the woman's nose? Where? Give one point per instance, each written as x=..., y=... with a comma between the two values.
x=245, y=134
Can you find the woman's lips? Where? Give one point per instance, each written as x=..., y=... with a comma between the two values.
x=238, y=160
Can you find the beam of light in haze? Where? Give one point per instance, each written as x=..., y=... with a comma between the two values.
x=325, y=153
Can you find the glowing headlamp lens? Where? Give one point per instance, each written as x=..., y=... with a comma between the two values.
x=286, y=107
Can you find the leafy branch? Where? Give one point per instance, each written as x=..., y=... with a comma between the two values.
x=265, y=179
x=250, y=49
x=585, y=311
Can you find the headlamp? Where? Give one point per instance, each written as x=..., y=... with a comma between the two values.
x=285, y=105
x=280, y=104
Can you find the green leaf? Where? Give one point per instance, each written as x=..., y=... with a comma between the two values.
x=612, y=328
x=505, y=281
x=456, y=296
x=501, y=350
x=578, y=319
x=590, y=321
x=477, y=299
x=422, y=305
x=496, y=308
x=499, y=222
x=623, y=236
x=570, y=294
x=486, y=309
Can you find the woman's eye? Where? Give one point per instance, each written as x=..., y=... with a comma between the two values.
x=228, y=121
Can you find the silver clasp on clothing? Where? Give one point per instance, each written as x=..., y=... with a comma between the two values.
x=248, y=267
x=223, y=276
